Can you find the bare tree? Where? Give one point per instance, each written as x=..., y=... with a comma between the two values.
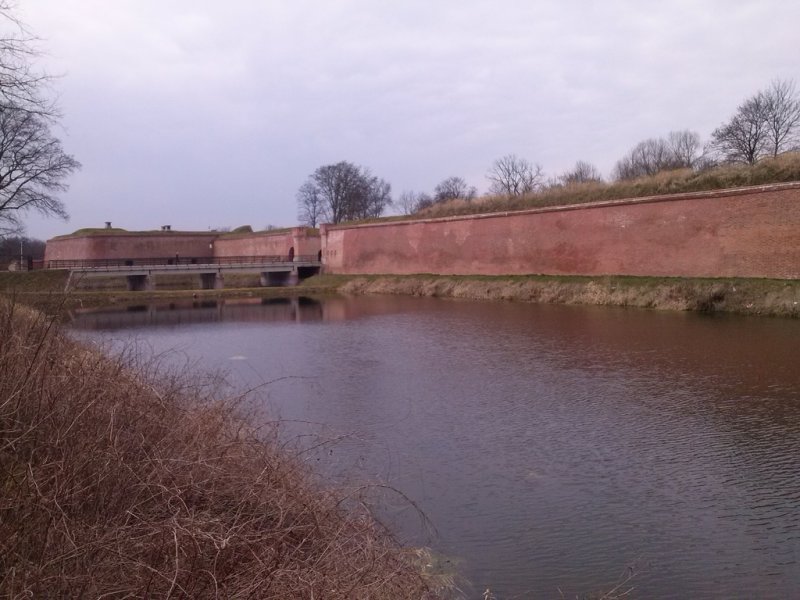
x=406, y=202
x=646, y=158
x=744, y=137
x=582, y=172
x=454, y=188
x=33, y=167
x=10, y=247
x=310, y=209
x=15, y=251
x=21, y=85
x=685, y=148
x=423, y=201
x=680, y=149
x=782, y=115
x=342, y=192
x=514, y=176
x=410, y=202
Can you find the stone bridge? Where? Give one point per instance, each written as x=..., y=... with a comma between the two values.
x=141, y=273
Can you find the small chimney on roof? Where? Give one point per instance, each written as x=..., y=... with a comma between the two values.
x=108, y=224
x=166, y=228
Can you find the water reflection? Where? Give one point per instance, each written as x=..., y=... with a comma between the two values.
x=551, y=446
x=294, y=309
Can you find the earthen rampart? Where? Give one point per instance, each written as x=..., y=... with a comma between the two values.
x=747, y=232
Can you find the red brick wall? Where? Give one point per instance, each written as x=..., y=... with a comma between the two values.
x=167, y=244
x=269, y=244
x=254, y=244
x=753, y=232
x=115, y=246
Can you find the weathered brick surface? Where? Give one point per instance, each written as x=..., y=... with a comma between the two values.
x=752, y=232
x=269, y=244
x=118, y=246
x=168, y=244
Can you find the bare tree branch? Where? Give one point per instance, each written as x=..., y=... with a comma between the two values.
x=310, y=209
x=582, y=172
x=33, y=167
x=782, y=116
x=744, y=137
x=679, y=150
x=514, y=176
x=454, y=188
x=21, y=85
x=685, y=148
x=342, y=192
x=766, y=124
x=411, y=202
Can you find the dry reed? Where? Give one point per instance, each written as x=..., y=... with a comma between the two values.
x=117, y=484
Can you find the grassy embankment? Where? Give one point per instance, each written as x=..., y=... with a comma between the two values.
x=764, y=297
x=118, y=483
x=782, y=169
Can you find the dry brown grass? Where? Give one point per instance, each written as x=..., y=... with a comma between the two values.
x=118, y=484
x=784, y=168
x=767, y=297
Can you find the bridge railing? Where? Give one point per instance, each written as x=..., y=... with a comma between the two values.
x=178, y=262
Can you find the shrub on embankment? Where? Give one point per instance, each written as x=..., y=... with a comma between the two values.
x=782, y=169
x=115, y=483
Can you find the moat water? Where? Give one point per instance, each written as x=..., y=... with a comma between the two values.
x=552, y=448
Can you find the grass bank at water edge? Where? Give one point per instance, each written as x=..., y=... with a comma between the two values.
x=119, y=482
x=767, y=297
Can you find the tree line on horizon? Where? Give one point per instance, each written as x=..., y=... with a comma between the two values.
x=766, y=124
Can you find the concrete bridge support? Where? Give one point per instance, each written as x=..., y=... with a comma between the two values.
x=279, y=278
x=211, y=281
x=140, y=283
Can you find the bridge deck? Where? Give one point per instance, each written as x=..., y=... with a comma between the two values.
x=228, y=264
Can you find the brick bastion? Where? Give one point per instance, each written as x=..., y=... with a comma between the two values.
x=100, y=244
x=745, y=232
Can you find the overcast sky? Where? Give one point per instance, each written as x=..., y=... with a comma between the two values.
x=208, y=114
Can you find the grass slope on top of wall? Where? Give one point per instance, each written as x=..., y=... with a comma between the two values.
x=243, y=231
x=97, y=231
x=783, y=169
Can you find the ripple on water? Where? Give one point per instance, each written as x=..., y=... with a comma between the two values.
x=550, y=446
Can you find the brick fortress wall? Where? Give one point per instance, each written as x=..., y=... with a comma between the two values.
x=748, y=232
x=134, y=245
x=129, y=245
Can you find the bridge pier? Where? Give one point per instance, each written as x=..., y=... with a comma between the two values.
x=211, y=281
x=279, y=278
x=140, y=283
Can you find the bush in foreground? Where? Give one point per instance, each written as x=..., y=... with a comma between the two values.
x=116, y=484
